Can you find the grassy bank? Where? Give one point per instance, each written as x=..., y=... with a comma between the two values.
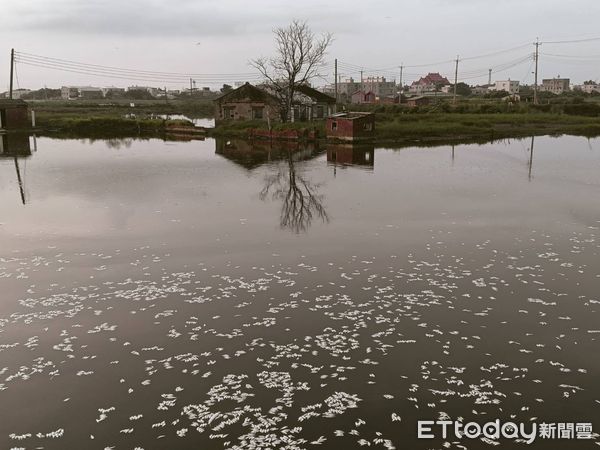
x=120, y=107
x=394, y=123
x=394, y=127
x=112, y=118
x=436, y=126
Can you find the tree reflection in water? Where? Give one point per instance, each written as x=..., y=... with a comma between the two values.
x=301, y=202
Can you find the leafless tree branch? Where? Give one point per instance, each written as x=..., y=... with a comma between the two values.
x=299, y=54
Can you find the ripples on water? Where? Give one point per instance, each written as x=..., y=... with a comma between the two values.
x=212, y=295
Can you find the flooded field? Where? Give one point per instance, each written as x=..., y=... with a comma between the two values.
x=220, y=294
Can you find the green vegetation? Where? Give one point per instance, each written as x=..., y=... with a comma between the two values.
x=435, y=126
x=122, y=107
x=237, y=128
x=485, y=119
x=469, y=120
x=92, y=118
x=393, y=127
x=93, y=126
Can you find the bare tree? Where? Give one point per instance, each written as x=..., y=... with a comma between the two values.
x=299, y=55
x=300, y=200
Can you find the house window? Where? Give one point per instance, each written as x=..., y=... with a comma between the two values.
x=257, y=113
x=333, y=126
x=368, y=126
x=228, y=112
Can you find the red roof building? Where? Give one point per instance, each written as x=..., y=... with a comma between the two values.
x=428, y=83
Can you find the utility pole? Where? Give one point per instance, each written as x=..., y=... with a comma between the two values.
x=535, y=85
x=191, y=90
x=361, y=78
x=455, y=80
x=12, y=65
x=336, y=81
x=20, y=181
x=489, y=77
x=400, y=83
x=531, y=157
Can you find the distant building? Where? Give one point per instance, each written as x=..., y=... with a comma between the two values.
x=151, y=90
x=555, y=85
x=419, y=100
x=72, y=92
x=431, y=82
x=69, y=92
x=90, y=92
x=13, y=114
x=379, y=86
x=481, y=90
x=361, y=96
x=350, y=126
x=19, y=93
x=112, y=90
x=589, y=86
x=510, y=86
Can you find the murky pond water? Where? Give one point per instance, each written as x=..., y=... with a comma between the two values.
x=206, y=295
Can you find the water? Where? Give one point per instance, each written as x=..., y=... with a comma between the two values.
x=218, y=295
x=206, y=122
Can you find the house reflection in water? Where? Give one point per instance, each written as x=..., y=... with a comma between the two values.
x=362, y=155
x=16, y=144
x=254, y=153
x=16, y=147
x=285, y=180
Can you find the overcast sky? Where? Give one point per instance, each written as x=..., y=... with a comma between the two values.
x=220, y=36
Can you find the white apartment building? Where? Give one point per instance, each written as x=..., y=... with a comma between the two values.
x=510, y=86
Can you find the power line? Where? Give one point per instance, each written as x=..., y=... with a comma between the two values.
x=572, y=41
x=66, y=62
x=391, y=68
x=132, y=76
x=573, y=56
x=137, y=78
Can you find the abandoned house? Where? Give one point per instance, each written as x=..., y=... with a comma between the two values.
x=250, y=102
x=13, y=114
x=310, y=104
x=350, y=126
x=246, y=103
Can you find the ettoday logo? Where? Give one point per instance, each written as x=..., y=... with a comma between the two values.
x=529, y=432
